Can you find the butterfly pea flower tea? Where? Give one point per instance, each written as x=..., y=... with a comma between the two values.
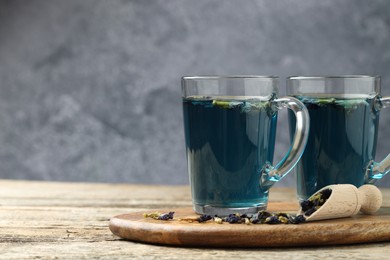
x=344, y=116
x=230, y=127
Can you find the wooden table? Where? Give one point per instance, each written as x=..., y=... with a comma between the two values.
x=70, y=220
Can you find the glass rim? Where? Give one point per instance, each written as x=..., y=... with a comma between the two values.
x=214, y=77
x=314, y=77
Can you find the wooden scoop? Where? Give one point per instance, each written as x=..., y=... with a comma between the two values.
x=345, y=201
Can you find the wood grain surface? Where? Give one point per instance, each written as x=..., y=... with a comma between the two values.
x=59, y=220
x=358, y=229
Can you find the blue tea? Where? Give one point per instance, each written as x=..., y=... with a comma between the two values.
x=228, y=142
x=341, y=144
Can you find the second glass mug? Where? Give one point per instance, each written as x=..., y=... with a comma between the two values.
x=344, y=118
x=230, y=128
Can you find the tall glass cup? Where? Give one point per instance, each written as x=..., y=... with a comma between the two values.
x=344, y=116
x=230, y=128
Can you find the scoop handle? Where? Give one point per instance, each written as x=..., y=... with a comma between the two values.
x=370, y=199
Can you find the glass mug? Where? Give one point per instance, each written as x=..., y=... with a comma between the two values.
x=230, y=127
x=344, y=117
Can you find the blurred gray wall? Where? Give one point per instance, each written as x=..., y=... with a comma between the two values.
x=90, y=90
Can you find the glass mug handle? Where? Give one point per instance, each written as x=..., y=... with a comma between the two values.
x=271, y=174
x=375, y=171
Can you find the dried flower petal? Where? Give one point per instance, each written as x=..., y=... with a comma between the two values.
x=299, y=219
x=167, y=216
x=218, y=220
x=306, y=205
x=204, y=218
x=309, y=212
x=233, y=218
x=272, y=220
x=254, y=219
x=262, y=215
x=154, y=215
x=283, y=220
x=326, y=194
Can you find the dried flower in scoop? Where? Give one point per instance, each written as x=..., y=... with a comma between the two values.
x=309, y=212
x=326, y=194
x=306, y=205
x=315, y=202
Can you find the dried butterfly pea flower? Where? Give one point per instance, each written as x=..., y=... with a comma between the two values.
x=233, y=218
x=204, y=218
x=283, y=219
x=325, y=194
x=218, y=220
x=167, y=216
x=298, y=219
x=309, y=212
x=189, y=220
x=200, y=219
x=321, y=197
x=263, y=214
x=262, y=217
x=282, y=214
x=244, y=216
x=159, y=216
x=315, y=202
x=254, y=219
x=154, y=215
x=306, y=205
x=272, y=220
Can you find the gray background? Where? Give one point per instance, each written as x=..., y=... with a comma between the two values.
x=90, y=90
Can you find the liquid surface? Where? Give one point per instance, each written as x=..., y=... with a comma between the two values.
x=228, y=142
x=341, y=144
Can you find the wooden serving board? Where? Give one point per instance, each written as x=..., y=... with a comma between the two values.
x=352, y=230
